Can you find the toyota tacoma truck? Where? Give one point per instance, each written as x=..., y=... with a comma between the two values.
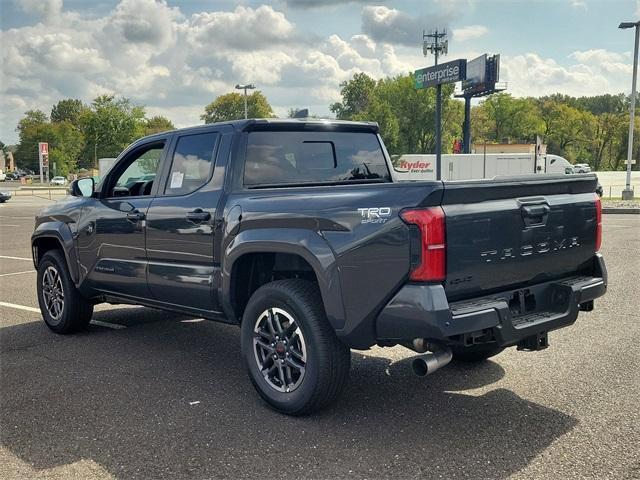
x=296, y=231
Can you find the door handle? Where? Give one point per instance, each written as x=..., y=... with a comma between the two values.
x=198, y=216
x=135, y=216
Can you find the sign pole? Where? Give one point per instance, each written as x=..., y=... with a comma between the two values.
x=438, y=115
x=466, y=128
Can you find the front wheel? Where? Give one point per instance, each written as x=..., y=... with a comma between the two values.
x=294, y=358
x=63, y=308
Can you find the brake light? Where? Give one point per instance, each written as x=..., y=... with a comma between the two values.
x=598, y=223
x=430, y=222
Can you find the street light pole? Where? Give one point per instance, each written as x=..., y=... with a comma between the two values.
x=246, y=87
x=627, y=193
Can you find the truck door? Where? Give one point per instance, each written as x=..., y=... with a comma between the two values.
x=180, y=224
x=111, y=230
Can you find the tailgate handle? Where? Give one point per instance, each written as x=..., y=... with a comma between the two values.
x=535, y=214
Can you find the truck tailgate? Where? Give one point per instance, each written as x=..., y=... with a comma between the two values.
x=517, y=231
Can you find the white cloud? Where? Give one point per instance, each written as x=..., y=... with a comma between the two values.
x=394, y=26
x=49, y=10
x=578, y=3
x=593, y=72
x=469, y=32
x=176, y=63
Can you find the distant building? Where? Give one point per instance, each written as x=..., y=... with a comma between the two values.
x=505, y=148
x=6, y=163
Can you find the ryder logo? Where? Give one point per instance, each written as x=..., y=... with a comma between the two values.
x=418, y=166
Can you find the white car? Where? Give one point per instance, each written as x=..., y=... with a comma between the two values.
x=582, y=168
x=58, y=181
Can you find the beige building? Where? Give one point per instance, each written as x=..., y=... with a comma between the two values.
x=6, y=163
x=505, y=148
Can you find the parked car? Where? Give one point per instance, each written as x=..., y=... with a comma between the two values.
x=3, y=176
x=5, y=196
x=582, y=168
x=58, y=181
x=295, y=231
x=12, y=176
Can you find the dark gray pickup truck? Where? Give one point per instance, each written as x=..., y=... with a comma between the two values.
x=296, y=231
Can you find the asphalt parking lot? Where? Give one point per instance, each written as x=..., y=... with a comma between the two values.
x=147, y=394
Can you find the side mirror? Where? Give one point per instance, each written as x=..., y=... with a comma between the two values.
x=82, y=187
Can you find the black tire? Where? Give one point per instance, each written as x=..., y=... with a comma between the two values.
x=475, y=354
x=75, y=312
x=327, y=360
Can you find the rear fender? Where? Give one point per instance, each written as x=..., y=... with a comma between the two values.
x=305, y=243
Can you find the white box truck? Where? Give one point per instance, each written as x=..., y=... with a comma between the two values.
x=469, y=166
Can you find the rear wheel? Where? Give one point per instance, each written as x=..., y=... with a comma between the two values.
x=294, y=358
x=475, y=354
x=63, y=309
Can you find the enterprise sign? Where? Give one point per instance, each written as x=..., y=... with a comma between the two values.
x=449, y=72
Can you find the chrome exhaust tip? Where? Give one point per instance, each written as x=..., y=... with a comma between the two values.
x=428, y=363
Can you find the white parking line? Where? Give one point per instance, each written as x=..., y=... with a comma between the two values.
x=113, y=326
x=16, y=273
x=19, y=307
x=16, y=258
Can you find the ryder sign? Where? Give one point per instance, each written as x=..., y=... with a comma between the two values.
x=438, y=74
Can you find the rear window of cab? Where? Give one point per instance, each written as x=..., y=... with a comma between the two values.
x=275, y=158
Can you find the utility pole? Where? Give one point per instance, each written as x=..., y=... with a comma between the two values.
x=627, y=193
x=435, y=43
x=246, y=87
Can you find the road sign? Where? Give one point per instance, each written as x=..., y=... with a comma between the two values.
x=43, y=157
x=449, y=72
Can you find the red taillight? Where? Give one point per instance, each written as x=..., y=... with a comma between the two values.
x=598, y=223
x=430, y=222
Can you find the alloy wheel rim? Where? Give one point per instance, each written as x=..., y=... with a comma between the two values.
x=279, y=349
x=53, y=292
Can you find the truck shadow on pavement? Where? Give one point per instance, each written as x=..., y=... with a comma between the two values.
x=170, y=399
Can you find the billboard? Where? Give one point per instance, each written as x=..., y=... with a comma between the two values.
x=449, y=72
x=482, y=73
x=476, y=72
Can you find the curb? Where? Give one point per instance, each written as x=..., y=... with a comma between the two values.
x=631, y=211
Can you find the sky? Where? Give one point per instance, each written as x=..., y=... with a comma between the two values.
x=175, y=57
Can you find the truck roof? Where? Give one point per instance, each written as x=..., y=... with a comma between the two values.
x=281, y=123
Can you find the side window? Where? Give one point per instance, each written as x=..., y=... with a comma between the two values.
x=137, y=174
x=192, y=163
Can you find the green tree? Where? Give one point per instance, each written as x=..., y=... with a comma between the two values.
x=68, y=110
x=109, y=125
x=157, y=124
x=507, y=118
x=29, y=128
x=65, y=145
x=356, y=94
x=231, y=107
x=406, y=116
x=564, y=128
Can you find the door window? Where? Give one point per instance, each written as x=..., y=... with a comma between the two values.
x=137, y=173
x=192, y=163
